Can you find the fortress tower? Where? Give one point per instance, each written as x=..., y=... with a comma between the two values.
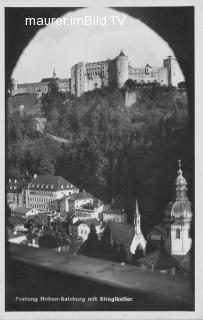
x=13, y=87
x=122, y=69
x=175, y=74
x=78, y=79
x=177, y=219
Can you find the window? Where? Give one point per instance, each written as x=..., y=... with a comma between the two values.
x=177, y=233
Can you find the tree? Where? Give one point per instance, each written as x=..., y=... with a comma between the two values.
x=122, y=253
x=48, y=241
x=91, y=247
x=45, y=165
x=106, y=246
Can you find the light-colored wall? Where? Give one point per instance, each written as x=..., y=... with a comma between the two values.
x=179, y=246
x=75, y=204
x=40, y=198
x=83, y=231
x=122, y=70
x=15, y=198
x=159, y=75
x=114, y=217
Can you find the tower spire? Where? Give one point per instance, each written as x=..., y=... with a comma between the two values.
x=54, y=73
x=181, y=184
x=137, y=218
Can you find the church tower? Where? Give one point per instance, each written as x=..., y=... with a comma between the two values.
x=138, y=240
x=177, y=218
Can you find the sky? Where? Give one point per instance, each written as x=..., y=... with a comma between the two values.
x=61, y=46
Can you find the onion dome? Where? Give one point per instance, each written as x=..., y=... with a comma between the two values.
x=181, y=208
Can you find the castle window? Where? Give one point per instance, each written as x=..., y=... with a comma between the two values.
x=177, y=233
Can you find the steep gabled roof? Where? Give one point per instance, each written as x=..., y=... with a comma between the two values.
x=81, y=196
x=21, y=210
x=122, y=233
x=16, y=221
x=186, y=263
x=159, y=229
x=50, y=182
x=88, y=222
x=161, y=259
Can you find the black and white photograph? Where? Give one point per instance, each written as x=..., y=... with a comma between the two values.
x=100, y=159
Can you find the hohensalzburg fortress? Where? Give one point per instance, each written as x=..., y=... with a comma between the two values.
x=111, y=72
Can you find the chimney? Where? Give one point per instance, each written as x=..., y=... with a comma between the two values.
x=35, y=175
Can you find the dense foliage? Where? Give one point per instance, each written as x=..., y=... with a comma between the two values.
x=110, y=149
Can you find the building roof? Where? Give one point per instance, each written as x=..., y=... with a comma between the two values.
x=21, y=210
x=159, y=229
x=122, y=233
x=161, y=259
x=30, y=84
x=81, y=196
x=64, y=80
x=179, y=209
x=16, y=221
x=113, y=211
x=50, y=182
x=88, y=222
x=17, y=235
x=47, y=80
x=186, y=263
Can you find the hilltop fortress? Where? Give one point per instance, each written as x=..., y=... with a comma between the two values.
x=111, y=72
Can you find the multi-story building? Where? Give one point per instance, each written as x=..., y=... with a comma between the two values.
x=44, y=189
x=87, y=76
x=64, y=85
x=16, y=193
x=77, y=200
x=88, y=211
x=114, y=215
x=115, y=72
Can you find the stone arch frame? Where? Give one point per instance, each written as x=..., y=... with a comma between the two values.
x=174, y=24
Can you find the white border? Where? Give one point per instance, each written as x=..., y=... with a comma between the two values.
x=198, y=313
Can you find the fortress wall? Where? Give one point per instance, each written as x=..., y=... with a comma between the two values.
x=155, y=74
x=31, y=88
x=96, y=75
